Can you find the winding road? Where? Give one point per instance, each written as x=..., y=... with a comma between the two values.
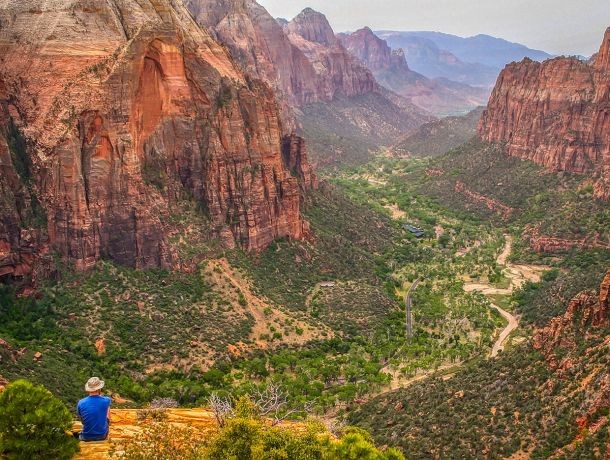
x=518, y=275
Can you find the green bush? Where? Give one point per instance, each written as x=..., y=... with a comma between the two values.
x=33, y=424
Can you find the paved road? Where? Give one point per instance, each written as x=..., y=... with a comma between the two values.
x=408, y=304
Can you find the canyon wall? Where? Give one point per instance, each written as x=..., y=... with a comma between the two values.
x=302, y=60
x=114, y=112
x=555, y=113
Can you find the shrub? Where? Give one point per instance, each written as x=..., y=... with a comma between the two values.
x=247, y=436
x=161, y=441
x=33, y=424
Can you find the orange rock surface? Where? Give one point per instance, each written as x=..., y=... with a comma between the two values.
x=123, y=108
x=125, y=425
x=555, y=113
x=584, y=310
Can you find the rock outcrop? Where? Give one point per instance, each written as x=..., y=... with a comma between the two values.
x=326, y=93
x=586, y=310
x=258, y=42
x=302, y=60
x=391, y=70
x=113, y=112
x=337, y=71
x=555, y=113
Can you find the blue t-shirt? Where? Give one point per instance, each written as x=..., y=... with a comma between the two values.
x=93, y=411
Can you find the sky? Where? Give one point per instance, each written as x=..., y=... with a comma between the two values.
x=555, y=26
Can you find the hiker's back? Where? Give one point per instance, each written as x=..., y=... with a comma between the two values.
x=93, y=411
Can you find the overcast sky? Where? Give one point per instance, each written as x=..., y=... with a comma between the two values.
x=555, y=26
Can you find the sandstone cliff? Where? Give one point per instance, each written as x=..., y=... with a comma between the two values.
x=326, y=93
x=260, y=45
x=338, y=72
x=555, y=113
x=586, y=310
x=115, y=111
x=391, y=70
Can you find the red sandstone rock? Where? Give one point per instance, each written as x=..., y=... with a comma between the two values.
x=124, y=106
x=337, y=72
x=490, y=203
x=541, y=243
x=555, y=113
x=591, y=311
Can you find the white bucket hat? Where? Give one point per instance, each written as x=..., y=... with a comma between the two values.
x=94, y=384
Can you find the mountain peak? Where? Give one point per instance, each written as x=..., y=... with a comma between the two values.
x=602, y=60
x=313, y=26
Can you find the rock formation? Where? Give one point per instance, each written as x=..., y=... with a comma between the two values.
x=585, y=311
x=309, y=68
x=555, y=113
x=113, y=112
x=391, y=70
x=338, y=72
x=303, y=60
x=259, y=44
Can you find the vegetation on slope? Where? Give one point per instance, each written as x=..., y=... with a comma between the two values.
x=437, y=137
x=349, y=130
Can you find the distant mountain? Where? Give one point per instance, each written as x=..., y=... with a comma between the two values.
x=390, y=68
x=425, y=57
x=482, y=49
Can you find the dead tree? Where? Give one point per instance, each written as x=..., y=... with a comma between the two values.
x=221, y=407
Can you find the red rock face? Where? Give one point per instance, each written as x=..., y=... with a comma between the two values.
x=303, y=61
x=260, y=45
x=584, y=310
x=556, y=114
x=337, y=72
x=374, y=51
x=490, y=203
x=391, y=70
x=124, y=108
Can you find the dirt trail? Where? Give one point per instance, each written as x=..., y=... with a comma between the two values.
x=518, y=275
x=267, y=316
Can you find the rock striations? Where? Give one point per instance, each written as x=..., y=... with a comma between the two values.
x=338, y=72
x=555, y=113
x=391, y=70
x=325, y=92
x=111, y=113
x=302, y=60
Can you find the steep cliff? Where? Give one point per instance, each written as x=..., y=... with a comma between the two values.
x=555, y=113
x=391, y=70
x=338, y=72
x=586, y=310
x=326, y=93
x=117, y=111
x=260, y=45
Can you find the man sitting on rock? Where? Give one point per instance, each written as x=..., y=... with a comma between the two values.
x=94, y=412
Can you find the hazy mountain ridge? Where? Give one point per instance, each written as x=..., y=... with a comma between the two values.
x=391, y=69
x=473, y=60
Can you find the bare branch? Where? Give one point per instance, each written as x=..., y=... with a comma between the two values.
x=221, y=407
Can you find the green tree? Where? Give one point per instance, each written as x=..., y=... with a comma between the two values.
x=33, y=424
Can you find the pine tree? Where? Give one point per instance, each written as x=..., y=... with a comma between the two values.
x=34, y=424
